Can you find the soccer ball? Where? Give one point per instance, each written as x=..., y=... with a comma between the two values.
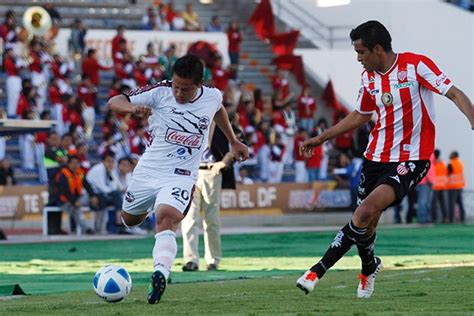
x=112, y=283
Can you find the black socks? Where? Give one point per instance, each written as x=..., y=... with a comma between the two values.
x=366, y=253
x=345, y=238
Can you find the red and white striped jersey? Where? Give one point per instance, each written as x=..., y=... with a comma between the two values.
x=403, y=100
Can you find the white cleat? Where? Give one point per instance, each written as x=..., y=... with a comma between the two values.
x=367, y=283
x=307, y=281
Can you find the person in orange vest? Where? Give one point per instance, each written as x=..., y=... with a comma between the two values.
x=71, y=181
x=455, y=186
x=439, y=188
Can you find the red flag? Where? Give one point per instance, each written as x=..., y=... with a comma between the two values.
x=262, y=19
x=284, y=43
x=329, y=96
x=292, y=63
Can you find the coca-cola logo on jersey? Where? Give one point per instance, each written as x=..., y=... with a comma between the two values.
x=182, y=138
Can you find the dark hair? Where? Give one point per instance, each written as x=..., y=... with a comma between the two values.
x=90, y=52
x=372, y=33
x=108, y=154
x=44, y=114
x=454, y=154
x=72, y=157
x=437, y=153
x=189, y=67
x=124, y=159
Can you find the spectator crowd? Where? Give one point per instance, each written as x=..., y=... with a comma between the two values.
x=41, y=84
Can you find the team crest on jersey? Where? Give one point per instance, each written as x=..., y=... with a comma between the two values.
x=203, y=123
x=182, y=138
x=402, y=75
x=387, y=98
x=129, y=197
x=402, y=169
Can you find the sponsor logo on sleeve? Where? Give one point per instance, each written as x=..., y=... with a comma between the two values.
x=441, y=78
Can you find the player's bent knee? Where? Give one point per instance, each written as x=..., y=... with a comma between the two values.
x=131, y=220
x=167, y=217
x=364, y=214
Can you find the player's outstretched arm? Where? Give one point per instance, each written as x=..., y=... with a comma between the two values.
x=239, y=149
x=463, y=103
x=354, y=120
x=120, y=104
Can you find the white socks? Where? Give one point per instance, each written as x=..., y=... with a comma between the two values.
x=164, y=251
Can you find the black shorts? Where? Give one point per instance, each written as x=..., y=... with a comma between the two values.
x=401, y=176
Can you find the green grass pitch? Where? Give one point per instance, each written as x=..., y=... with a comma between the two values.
x=428, y=271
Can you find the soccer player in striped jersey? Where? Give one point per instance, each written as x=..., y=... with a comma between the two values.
x=399, y=88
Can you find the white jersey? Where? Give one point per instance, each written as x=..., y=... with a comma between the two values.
x=179, y=131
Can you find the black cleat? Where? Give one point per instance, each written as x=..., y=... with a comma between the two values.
x=156, y=288
x=190, y=267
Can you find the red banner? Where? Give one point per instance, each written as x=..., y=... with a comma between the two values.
x=292, y=63
x=262, y=19
x=284, y=43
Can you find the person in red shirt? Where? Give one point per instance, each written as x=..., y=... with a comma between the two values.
x=170, y=12
x=119, y=42
x=398, y=87
x=75, y=109
x=140, y=141
x=313, y=165
x=57, y=103
x=306, y=109
x=8, y=30
x=115, y=87
x=62, y=70
x=13, y=82
x=91, y=67
x=151, y=59
x=38, y=76
x=220, y=76
x=27, y=99
x=301, y=175
x=41, y=141
x=280, y=84
x=139, y=74
x=235, y=37
x=258, y=100
x=276, y=164
x=86, y=92
x=83, y=154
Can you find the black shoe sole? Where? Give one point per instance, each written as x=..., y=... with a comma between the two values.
x=158, y=282
x=302, y=288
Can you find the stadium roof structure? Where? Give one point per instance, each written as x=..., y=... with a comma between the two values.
x=10, y=127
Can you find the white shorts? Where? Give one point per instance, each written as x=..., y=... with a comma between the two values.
x=145, y=193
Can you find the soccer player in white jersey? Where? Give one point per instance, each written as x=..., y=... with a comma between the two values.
x=163, y=181
x=399, y=88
